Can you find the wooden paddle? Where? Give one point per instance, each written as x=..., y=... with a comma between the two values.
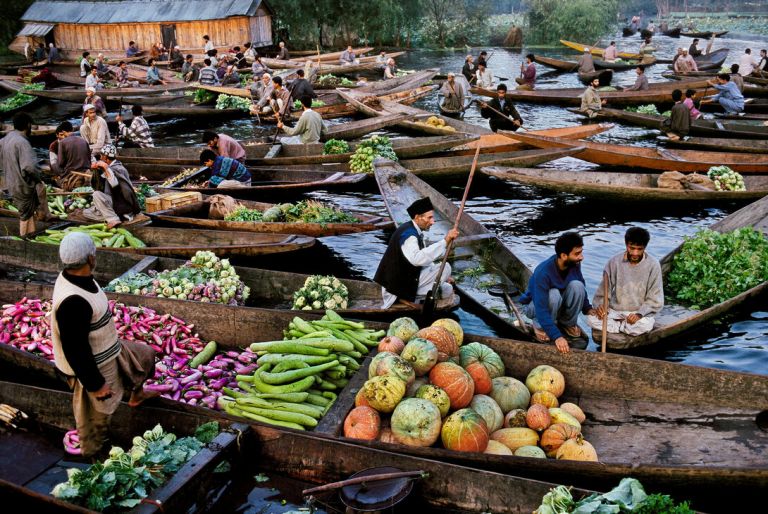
x=605, y=308
x=429, y=301
x=499, y=112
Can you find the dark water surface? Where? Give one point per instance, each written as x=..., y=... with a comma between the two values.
x=527, y=219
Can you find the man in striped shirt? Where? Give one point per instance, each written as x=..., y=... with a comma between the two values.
x=138, y=134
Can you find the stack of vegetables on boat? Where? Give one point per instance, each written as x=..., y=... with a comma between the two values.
x=299, y=378
x=306, y=211
x=124, y=479
x=433, y=387
x=204, y=278
x=101, y=235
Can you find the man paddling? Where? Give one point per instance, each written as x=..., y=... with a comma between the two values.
x=502, y=112
x=99, y=367
x=557, y=294
x=729, y=97
x=635, y=289
x=408, y=269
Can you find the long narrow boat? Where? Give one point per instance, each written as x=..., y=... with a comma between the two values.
x=621, y=187
x=269, y=289
x=719, y=144
x=290, y=460
x=688, y=410
x=197, y=215
x=605, y=76
x=675, y=32
x=323, y=58
x=675, y=318
x=700, y=127
x=659, y=93
x=711, y=61
x=628, y=31
x=263, y=180
x=653, y=158
x=500, y=266
x=39, y=461
x=325, y=64
x=594, y=50
x=705, y=34
x=170, y=242
x=75, y=94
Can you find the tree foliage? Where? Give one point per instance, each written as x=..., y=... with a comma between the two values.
x=580, y=20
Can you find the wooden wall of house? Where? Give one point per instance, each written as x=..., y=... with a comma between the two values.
x=115, y=37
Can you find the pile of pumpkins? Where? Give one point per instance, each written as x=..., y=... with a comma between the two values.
x=434, y=387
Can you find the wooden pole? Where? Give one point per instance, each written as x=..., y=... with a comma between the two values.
x=429, y=302
x=362, y=480
x=605, y=308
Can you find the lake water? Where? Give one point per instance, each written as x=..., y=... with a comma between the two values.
x=527, y=219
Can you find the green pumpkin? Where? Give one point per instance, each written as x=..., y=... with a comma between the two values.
x=421, y=354
x=477, y=352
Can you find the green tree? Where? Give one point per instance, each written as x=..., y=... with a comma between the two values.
x=581, y=20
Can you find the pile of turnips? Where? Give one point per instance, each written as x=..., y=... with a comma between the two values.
x=726, y=179
x=426, y=385
x=204, y=278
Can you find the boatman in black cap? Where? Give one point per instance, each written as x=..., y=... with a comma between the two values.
x=408, y=269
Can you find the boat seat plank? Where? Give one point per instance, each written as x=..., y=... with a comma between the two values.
x=34, y=454
x=274, y=151
x=669, y=155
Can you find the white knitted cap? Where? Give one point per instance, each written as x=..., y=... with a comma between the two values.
x=75, y=248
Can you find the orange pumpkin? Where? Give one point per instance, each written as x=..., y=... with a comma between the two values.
x=455, y=381
x=538, y=417
x=360, y=400
x=554, y=437
x=465, y=431
x=443, y=339
x=362, y=423
x=577, y=449
x=480, y=377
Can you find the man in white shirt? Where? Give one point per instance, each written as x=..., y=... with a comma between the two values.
x=747, y=63
x=208, y=44
x=408, y=270
x=484, y=77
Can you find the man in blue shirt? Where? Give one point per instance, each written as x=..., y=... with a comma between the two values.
x=557, y=294
x=729, y=96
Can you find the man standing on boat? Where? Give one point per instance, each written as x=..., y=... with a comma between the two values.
x=591, y=103
x=99, y=367
x=557, y=294
x=21, y=175
x=453, y=94
x=501, y=112
x=635, y=289
x=408, y=270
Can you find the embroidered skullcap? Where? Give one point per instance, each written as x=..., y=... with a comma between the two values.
x=109, y=150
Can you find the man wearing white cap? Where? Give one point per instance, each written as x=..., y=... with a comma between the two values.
x=93, y=99
x=114, y=199
x=94, y=129
x=99, y=366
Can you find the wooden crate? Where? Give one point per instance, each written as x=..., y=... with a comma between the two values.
x=170, y=200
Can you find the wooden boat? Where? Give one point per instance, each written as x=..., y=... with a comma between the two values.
x=263, y=180
x=605, y=76
x=439, y=487
x=621, y=187
x=720, y=144
x=324, y=58
x=197, y=215
x=660, y=93
x=711, y=61
x=646, y=34
x=40, y=460
x=688, y=408
x=75, y=94
x=628, y=31
x=675, y=318
x=652, y=158
x=37, y=130
x=705, y=34
x=170, y=242
x=702, y=127
x=399, y=188
x=594, y=50
x=673, y=32
x=754, y=109
x=269, y=289
x=600, y=64
x=28, y=104
x=325, y=64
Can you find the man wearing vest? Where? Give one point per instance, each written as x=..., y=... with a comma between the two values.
x=86, y=348
x=408, y=271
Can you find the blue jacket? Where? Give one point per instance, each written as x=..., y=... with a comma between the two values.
x=225, y=168
x=546, y=276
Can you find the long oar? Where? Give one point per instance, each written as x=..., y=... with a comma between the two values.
x=605, y=308
x=429, y=301
x=499, y=113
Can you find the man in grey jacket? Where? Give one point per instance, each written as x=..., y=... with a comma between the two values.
x=114, y=199
x=22, y=175
x=635, y=288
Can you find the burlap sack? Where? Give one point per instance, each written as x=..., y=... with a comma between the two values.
x=699, y=182
x=671, y=180
x=221, y=206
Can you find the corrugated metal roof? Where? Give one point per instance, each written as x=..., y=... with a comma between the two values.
x=36, y=29
x=138, y=11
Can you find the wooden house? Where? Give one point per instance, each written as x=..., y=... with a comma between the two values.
x=108, y=26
